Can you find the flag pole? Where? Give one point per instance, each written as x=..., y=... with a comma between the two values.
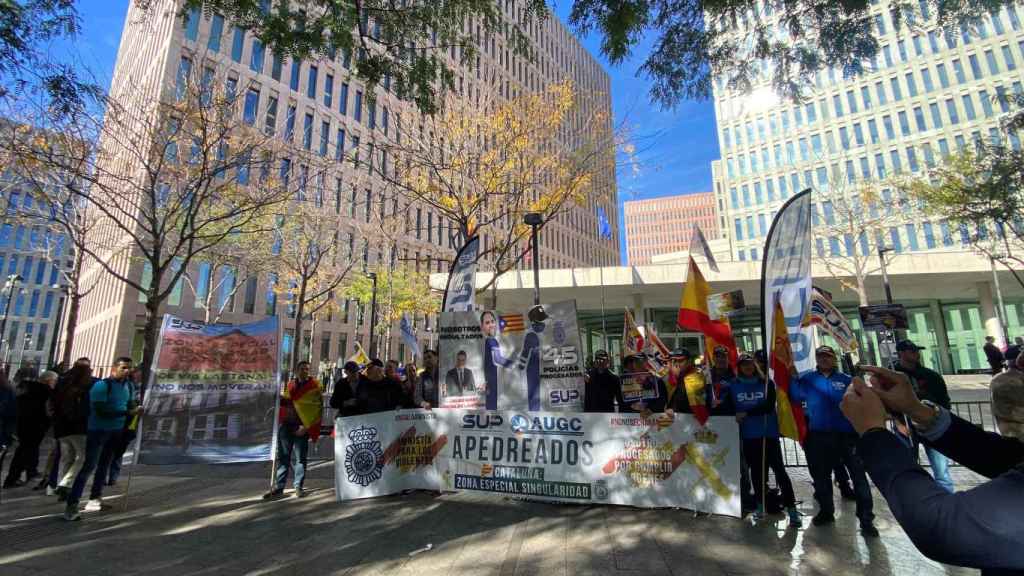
x=604, y=326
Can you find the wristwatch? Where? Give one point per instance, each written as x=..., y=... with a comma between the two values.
x=924, y=426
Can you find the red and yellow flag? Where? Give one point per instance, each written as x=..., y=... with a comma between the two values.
x=792, y=423
x=693, y=313
x=308, y=400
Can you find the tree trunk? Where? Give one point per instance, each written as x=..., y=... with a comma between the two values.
x=299, y=311
x=74, y=304
x=151, y=332
x=862, y=291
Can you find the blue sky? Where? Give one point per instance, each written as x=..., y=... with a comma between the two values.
x=676, y=146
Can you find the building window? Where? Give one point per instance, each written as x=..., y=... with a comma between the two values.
x=343, y=98
x=307, y=132
x=329, y=90
x=237, y=42
x=311, y=82
x=216, y=31
x=192, y=24
x=296, y=70
x=951, y=110
x=252, y=104
x=358, y=112
x=256, y=58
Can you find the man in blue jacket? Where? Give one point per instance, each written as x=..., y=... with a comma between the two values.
x=978, y=528
x=110, y=403
x=831, y=440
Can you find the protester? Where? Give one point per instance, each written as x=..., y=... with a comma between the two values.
x=33, y=423
x=831, y=440
x=993, y=355
x=110, y=403
x=977, y=528
x=928, y=385
x=459, y=380
x=1008, y=398
x=298, y=422
x=129, y=433
x=407, y=384
x=375, y=393
x=343, y=398
x=70, y=424
x=685, y=387
x=603, y=389
x=8, y=415
x=427, y=388
x=635, y=366
x=720, y=375
x=754, y=399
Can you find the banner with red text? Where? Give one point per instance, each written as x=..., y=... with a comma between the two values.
x=556, y=456
x=214, y=393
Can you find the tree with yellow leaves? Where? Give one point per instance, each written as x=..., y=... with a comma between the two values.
x=483, y=165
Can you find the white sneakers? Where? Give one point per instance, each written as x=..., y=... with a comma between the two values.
x=94, y=505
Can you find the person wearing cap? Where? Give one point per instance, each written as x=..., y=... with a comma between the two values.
x=1008, y=397
x=720, y=374
x=928, y=385
x=831, y=440
x=993, y=354
x=686, y=388
x=754, y=399
x=378, y=393
x=603, y=388
x=343, y=398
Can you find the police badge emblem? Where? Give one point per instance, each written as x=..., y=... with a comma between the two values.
x=559, y=334
x=364, y=458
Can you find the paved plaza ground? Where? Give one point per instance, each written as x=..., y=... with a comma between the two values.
x=210, y=520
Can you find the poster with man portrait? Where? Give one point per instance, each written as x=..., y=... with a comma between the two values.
x=520, y=361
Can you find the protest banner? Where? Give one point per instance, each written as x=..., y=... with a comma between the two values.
x=726, y=304
x=388, y=452
x=639, y=386
x=214, y=394
x=511, y=361
x=554, y=456
x=884, y=317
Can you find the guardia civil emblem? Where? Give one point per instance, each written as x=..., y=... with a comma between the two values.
x=364, y=458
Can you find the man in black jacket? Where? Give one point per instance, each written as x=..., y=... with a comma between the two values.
x=33, y=422
x=603, y=388
x=993, y=354
x=978, y=528
x=343, y=398
x=378, y=393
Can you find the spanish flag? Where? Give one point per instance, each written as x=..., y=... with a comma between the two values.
x=693, y=313
x=308, y=400
x=792, y=423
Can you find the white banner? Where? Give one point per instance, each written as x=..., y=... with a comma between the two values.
x=786, y=276
x=508, y=361
x=461, y=288
x=586, y=458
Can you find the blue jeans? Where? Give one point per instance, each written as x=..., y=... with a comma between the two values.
x=97, y=461
x=288, y=444
x=940, y=468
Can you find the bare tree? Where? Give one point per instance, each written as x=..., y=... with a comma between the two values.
x=853, y=220
x=168, y=182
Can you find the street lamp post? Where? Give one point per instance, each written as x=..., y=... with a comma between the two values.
x=12, y=281
x=534, y=220
x=885, y=275
x=373, y=315
x=1000, y=314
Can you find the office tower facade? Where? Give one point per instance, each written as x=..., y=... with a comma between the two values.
x=663, y=225
x=320, y=102
x=927, y=94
